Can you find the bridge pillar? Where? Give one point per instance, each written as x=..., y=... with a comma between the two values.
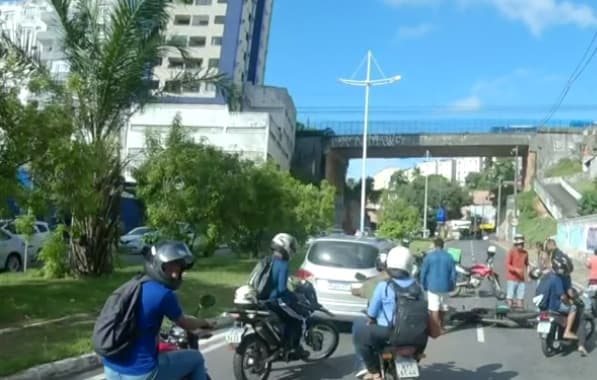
x=336, y=166
x=529, y=169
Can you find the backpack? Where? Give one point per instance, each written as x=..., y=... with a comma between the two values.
x=115, y=329
x=410, y=325
x=260, y=278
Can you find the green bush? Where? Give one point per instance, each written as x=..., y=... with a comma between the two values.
x=54, y=255
x=588, y=203
x=564, y=167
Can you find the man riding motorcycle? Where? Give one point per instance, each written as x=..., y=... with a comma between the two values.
x=373, y=336
x=164, y=265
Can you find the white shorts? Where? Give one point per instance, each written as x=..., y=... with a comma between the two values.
x=437, y=301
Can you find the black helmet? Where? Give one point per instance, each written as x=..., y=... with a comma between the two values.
x=560, y=265
x=535, y=273
x=406, y=242
x=168, y=252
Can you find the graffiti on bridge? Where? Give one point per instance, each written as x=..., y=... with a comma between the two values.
x=374, y=140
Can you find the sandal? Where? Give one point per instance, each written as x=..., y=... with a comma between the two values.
x=372, y=376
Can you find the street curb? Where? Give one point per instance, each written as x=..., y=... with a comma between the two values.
x=7, y=330
x=90, y=361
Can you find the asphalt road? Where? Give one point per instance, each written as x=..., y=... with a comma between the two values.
x=475, y=353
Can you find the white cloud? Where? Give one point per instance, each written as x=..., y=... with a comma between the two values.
x=411, y=3
x=539, y=15
x=471, y=103
x=415, y=31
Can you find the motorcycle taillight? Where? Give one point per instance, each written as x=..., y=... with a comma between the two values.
x=544, y=316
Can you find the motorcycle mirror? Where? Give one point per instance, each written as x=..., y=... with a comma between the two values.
x=361, y=277
x=206, y=301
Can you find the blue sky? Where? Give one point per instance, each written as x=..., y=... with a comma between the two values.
x=468, y=56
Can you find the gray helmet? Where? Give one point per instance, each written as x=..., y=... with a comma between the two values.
x=285, y=244
x=168, y=252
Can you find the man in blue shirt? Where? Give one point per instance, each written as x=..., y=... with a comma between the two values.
x=369, y=339
x=559, y=297
x=284, y=246
x=165, y=264
x=438, y=278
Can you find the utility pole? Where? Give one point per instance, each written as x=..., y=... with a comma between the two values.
x=499, y=207
x=425, y=230
x=367, y=83
x=515, y=224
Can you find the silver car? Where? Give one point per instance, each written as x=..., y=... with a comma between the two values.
x=331, y=264
x=12, y=251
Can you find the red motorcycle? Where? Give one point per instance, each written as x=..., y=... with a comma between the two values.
x=178, y=339
x=470, y=279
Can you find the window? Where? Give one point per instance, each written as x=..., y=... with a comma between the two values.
x=202, y=2
x=41, y=227
x=343, y=254
x=172, y=86
x=222, y=1
x=201, y=20
x=182, y=20
x=216, y=41
x=178, y=40
x=4, y=236
x=197, y=41
x=219, y=19
x=191, y=87
x=175, y=63
x=194, y=63
x=213, y=63
x=10, y=227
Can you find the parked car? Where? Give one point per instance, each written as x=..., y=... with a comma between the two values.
x=41, y=234
x=133, y=241
x=331, y=264
x=12, y=251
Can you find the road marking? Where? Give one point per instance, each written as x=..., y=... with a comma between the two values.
x=101, y=376
x=480, y=334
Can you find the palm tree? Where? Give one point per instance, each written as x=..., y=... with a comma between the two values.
x=111, y=53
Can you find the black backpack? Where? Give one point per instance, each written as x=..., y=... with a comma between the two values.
x=115, y=329
x=410, y=325
x=260, y=278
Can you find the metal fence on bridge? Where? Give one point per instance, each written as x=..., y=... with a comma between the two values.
x=441, y=126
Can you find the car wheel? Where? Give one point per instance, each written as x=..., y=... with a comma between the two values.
x=13, y=263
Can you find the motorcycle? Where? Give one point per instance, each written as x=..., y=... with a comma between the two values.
x=590, y=294
x=257, y=335
x=551, y=326
x=471, y=278
x=399, y=363
x=178, y=339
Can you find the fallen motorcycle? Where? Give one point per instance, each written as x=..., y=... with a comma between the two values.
x=178, y=339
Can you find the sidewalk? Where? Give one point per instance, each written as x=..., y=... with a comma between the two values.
x=579, y=275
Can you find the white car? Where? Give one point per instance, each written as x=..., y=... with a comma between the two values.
x=134, y=240
x=12, y=251
x=39, y=237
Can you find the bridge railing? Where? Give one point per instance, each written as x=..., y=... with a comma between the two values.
x=441, y=126
x=549, y=202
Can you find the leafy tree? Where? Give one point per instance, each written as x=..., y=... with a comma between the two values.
x=110, y=60
x=398, y=219
x=588, y=202
x=489, y=178
x=183, y=182
x=25, y=225
x=352, y=190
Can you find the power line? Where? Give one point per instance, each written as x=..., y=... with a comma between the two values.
x=578, y=70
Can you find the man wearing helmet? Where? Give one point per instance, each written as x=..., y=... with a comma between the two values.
x=558, y=296
x=165, y=263
x=382, y=311
x=283, y=247
x=517, y=263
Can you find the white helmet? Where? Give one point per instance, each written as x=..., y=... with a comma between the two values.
x=245, y=295
x=285, y=244
x=491, y=249
x=400, y=258
x=519, y=239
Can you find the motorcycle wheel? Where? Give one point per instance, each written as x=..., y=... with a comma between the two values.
x=456, y=292
x=547, y=343
x=251, y=353
x=497, y=289
x=314, y=339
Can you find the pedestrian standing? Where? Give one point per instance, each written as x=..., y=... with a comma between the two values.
x=517, y=263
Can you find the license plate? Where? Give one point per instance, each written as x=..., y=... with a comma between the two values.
x=235, y=335
x=543, y=327
x=407, y=368
x=344, y=287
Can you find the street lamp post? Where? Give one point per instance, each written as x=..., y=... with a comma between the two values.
x=499, y=207
x=367, y=83
x=515, y=151
x=425, y=230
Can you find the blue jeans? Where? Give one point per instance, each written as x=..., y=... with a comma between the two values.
x=516, y=290
x=358, y=324
x=172, y=365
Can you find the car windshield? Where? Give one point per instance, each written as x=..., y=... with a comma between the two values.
x=341, y=254
x=139, y=231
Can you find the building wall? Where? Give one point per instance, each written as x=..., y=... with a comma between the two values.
x=578, y=236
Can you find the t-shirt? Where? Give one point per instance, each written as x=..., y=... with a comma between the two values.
x=592, y=264
x=383, y=303
x=157, y=301
x=517, y=258
x=554, y=289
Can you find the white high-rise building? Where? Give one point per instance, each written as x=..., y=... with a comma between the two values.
x=220, y=36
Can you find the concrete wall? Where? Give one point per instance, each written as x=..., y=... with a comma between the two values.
x=578, y=236
x=554, y=144
x=550, y=203
x=308, y=161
